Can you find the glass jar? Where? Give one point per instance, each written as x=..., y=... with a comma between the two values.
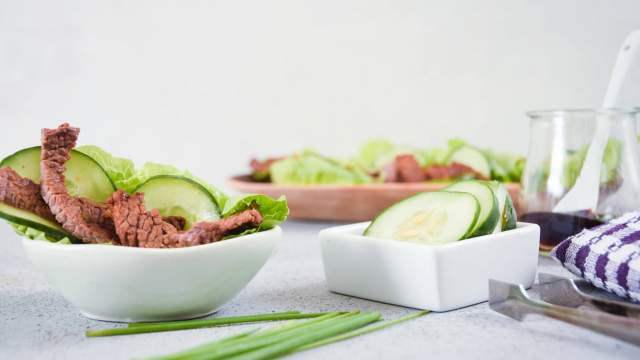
x=559, y=141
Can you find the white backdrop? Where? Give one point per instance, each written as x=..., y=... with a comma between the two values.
x=208, y=84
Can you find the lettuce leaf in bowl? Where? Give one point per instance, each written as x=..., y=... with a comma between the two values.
x=120, y=170
x=34, y=234
x=273, y=211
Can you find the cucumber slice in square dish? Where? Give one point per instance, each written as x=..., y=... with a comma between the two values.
x=508, y=217
x=489, y=215
x=430, y=218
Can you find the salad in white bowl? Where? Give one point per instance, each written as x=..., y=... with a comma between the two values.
x=129, y=244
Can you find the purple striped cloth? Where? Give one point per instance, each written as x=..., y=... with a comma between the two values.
x=608, y=256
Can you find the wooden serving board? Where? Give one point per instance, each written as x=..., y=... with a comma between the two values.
x=343, y=202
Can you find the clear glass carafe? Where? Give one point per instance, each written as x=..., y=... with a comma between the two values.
x=559, y=141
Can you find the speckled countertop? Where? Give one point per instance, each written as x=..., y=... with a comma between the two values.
x=36, y=323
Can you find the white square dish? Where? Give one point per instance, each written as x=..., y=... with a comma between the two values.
x=431, y=277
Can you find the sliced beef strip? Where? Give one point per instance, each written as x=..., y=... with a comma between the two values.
x=452, y=171
x=177, y=221
x=89, y=221
x=22, y=193
x=136, y=226
x=261, y=169
x=404, y=168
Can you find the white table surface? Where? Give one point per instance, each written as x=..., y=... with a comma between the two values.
x=36, y=322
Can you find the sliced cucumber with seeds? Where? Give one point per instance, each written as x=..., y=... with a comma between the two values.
x=429, y=218
x=83, y=176
x=489, y=215
x=179, y=196
x=472, y=158
x=31, y=220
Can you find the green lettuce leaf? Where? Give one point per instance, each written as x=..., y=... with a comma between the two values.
x=118, y=169
x=370, y=153
x=453, y=145
x=273, y=211
x=34, y=234
x=311, y=168
x=505, y=167
x=435, y=156
x=376, y=153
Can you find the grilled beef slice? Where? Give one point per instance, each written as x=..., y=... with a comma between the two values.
x=89, y=221
x=22, y=193
x=407, y=169
x=135, y=226
x=404, y=168
x=261, y=169
x=177, y=221
x=454, y=170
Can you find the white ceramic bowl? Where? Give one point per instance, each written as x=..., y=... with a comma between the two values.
x=118, y=283
x=437, y=278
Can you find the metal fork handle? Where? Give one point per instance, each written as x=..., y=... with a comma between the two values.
x=565, y=292
x=623, y=328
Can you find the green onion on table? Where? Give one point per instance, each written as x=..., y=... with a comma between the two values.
x=195, y=324
x=198, y=321
x=292, y=337
x=364, y=330
x=226, y=349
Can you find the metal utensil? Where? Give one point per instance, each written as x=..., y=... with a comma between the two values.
x=513, y=301
x=578, y=292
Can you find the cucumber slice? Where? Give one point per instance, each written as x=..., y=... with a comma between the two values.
x=501, y=194
x=429, y=218
x=28, y=219
x=25, y=162
x=179, y=196
x=473, y=158
x=83, y=176
x=489, y=215
x=507, y=212
x=509, y=217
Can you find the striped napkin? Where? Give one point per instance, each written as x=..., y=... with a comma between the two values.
x=608, y=256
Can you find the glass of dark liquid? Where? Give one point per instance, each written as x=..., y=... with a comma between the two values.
x=558, y=144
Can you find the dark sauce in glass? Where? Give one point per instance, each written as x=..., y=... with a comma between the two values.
x=555, y=227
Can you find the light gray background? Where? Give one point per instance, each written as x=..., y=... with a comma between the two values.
x=208, y=84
